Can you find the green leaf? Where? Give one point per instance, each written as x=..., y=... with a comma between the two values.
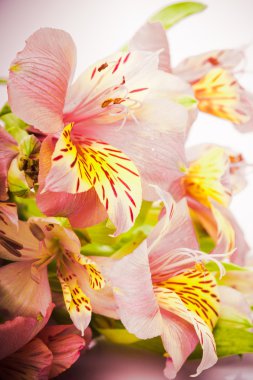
x=14, y=126
x=174, y=13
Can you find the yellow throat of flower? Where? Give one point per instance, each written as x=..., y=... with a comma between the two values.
x=202, y=180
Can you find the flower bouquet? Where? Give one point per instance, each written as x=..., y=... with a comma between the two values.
x=111, y=229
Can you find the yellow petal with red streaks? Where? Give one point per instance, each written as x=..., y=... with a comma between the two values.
x=96, y=279
x=79, y=164
x=197, y=289
x=77, y=303
x=202, y=180
x=218, y=93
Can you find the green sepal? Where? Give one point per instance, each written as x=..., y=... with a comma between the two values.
x=174, y=13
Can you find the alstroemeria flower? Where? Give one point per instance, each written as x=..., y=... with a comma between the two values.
x=212, y=77
x=8, y=151
x=24, y=285
x=123, y=100
x=208, y=181
x=45, y=356
x=163, y=289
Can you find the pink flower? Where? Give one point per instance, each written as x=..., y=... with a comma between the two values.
x=163, y=289
x=24, y=354
x=33, y=245
x=123, y=100
x=212, y=77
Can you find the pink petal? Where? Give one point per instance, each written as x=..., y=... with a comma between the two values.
x=178, y=232
x=83, y=209
x=232, y=299
x=193, y=68
x=132, y=285
x=8, y=151
x=179, y=339
x=17, y=242
x=16, y=333
x=172, y=303
x=152, y=37
x=8, y=213
x=34, y=298
x=65, y=345
x=39, y=79
x=33, y=361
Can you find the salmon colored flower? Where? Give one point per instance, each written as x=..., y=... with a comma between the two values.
x=24, y=354
x=163, y=289
x=123, y=100
x=24, y=285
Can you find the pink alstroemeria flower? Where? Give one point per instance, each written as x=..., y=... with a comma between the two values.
x=163, y=289
x=26, y=355
x=24, y=286
x=208, y=181
x=123, y=100
x=212, y=76
x=8, y=151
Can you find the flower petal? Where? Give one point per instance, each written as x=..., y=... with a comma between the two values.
x=193, y=68
x=20, y=294
x=83, y=209
x=77, y=303
x=78, y=167
x=152, y=37
x=17, y=243
x=219, y=94
x=16, y=333
x=65, y=345
x=33, y=361
x=132, y=285
x=8, y=151
x=8, y=213
x=39, y=78
x=177, y=230
x=171, y=302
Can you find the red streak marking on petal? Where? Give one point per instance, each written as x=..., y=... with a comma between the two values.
x=124, y=183
x=93, y=73
x=214, y=61
x=74, y=162
x=77, y=185
x=120, y=157
x=131, y=214
x=130, y=198
x=138, y=90
x=113, y=150
x=64, y=150
x=113, y=188
x=58, y=158
x=117, y=66
x=106, y=204
x=129, y=170
x=126, y=57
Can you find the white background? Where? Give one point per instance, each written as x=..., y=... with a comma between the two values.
x=100, y=27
